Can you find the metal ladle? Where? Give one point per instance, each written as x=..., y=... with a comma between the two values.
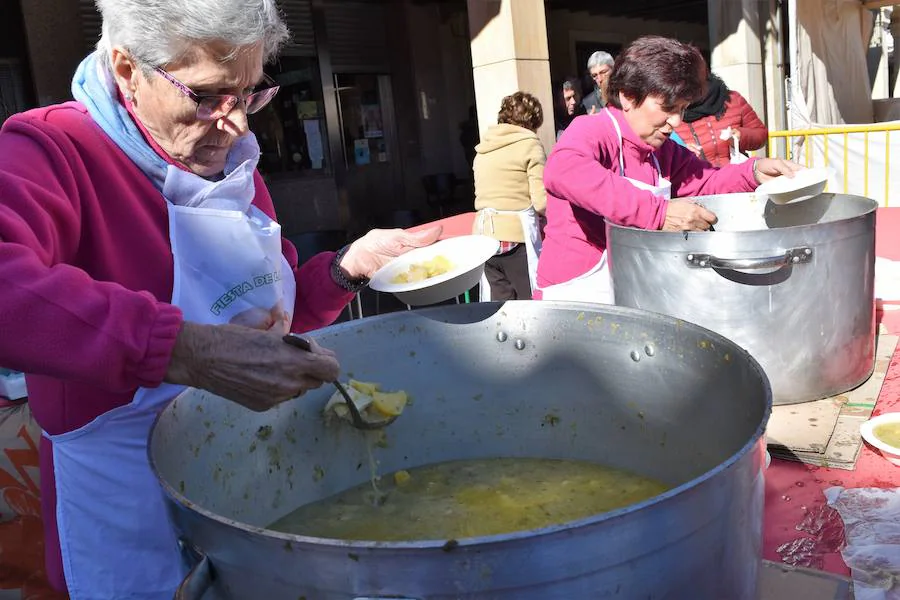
x=356, y=418
x=695, y=201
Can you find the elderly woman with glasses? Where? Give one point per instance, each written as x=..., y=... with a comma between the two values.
x=621, y=166
x=139, y=255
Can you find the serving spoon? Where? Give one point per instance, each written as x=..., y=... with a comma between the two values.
x=356, y=418
x=700, y=204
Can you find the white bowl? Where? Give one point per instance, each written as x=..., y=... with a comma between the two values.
x=867, y=430
x=467, y=254
x=804, y=183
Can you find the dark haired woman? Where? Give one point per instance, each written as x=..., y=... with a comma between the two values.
x=620, y=165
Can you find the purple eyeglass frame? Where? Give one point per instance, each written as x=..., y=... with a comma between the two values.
x=223, y=103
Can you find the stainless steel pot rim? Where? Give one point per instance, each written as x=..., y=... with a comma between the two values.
x=341, y=545
x=873, y=207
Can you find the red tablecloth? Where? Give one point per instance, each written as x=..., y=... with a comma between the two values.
x=804, y=484
x=452, y=226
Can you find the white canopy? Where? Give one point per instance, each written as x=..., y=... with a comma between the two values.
x=829, y=70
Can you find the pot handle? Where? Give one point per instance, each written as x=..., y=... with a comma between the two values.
x=200, y=579
x=790, y=257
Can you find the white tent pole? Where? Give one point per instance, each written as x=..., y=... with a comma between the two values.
x=792, y=54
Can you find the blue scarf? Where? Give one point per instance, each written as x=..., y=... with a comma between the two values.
x=94, y=86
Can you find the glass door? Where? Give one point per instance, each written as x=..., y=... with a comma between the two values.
x=363, y=130
x=369, y=143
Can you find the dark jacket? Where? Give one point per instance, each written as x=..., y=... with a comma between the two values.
x=593, y=99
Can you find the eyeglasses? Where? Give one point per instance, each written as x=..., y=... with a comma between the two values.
x=215, y=107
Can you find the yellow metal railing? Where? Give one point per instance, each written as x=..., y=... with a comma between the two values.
x=787, y=137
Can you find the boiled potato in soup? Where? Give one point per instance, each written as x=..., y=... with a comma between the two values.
x=373, y=404
x=422, y=271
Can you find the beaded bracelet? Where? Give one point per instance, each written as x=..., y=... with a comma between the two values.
x=340, y=277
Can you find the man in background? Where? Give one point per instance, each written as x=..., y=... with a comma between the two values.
x=568, y=104
x=599, y=67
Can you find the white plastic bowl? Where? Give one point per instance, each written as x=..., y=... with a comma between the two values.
x=867, y=430
x=805, y=183
x=467, y=254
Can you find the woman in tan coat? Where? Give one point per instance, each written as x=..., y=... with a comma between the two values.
x=510, y=196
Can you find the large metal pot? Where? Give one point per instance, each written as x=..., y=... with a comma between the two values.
x=793, y=284
x=627, y=388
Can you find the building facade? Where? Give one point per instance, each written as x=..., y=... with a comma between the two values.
x=379, y=95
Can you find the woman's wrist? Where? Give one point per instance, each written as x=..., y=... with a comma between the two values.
x=343, y=273
x=756, y=171
x=184, y=352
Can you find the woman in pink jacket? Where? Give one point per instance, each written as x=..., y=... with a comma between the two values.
x=139, y=254
x=619, y=165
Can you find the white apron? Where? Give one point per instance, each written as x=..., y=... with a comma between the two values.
x=528, y=218
x=115, y=536
x=595, y=285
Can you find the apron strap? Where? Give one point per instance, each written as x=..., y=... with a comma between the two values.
x=658, y=168
x=618, y=133
x=622, y=152
x=486, y=214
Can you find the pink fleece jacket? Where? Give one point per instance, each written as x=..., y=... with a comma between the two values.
x=584, y=189
x=86, y=275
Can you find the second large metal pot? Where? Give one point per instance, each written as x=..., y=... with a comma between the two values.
x=793, y=284
x=627, y=388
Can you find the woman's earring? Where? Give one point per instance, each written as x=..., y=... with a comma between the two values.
x=128, y=96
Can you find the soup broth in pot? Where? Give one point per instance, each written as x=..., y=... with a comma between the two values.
x=470, y=498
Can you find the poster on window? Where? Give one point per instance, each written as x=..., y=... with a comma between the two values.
x=372, y=125
x=314, y=143
x=361, y=152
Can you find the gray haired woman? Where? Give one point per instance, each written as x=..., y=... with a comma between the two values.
x=140, y=255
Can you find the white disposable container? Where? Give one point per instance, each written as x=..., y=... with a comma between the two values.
x=867, y=430
x=467, y=254
x=804, y=184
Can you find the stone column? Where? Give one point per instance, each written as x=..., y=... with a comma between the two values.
x=56, y=45
x=510, y=54
x=735, y=39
